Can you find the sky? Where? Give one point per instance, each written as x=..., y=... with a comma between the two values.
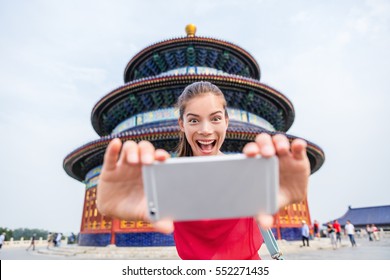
x=59, y=58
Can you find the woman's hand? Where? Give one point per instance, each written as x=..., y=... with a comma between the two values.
x=294, y=168
x=120, y=191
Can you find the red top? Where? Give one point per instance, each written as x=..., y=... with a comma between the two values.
x=230, y=239
x=337, y=226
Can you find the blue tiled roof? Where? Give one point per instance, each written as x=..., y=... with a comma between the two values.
x=378, y=215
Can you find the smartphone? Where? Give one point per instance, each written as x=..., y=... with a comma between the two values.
x=211, y=187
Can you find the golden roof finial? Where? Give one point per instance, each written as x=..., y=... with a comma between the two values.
x=190, y=30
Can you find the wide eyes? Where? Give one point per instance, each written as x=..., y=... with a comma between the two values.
x=193, y=121
x=213, y=119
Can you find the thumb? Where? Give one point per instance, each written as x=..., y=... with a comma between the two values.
x=164, y=226
x=298, y=148
x=264, y=221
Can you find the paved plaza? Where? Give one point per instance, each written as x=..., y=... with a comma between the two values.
x=320, y=249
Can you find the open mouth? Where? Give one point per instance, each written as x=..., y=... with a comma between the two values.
x=206, y=145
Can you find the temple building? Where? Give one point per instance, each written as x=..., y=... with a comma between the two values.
x=360, y=217
x=143, y=109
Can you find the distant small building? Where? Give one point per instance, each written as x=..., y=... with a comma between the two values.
x=360, y=217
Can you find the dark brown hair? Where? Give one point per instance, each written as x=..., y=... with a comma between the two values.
x=193, y=90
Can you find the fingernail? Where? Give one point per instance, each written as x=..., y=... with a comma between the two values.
x=284, y=146
x=249, y=150
x=267, y=150
x=147, y=158
x=132, y=158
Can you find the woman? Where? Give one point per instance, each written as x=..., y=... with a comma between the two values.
x=203, y=122
x=332, y=235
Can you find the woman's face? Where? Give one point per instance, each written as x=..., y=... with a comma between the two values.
x=204, y=124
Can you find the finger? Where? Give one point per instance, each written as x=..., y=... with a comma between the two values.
x=264, y=141
x=129, y=153
x=112, y=154
x=282, y=145
x=164, y=226
x=298, y=148
x=265, y=221
x=161, y=155
x=146, y=152
x=251, y=149
x=283, y=199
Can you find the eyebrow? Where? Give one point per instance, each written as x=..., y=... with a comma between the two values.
x=195, y=115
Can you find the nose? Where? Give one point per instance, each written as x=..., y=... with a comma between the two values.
x=206, y=128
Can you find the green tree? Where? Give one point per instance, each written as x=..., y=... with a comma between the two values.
x=27, y=233
x=8, y=233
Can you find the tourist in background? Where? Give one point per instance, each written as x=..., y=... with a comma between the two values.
x=2, y=238
x=55, y=239
x=72, y=238
x=369, y=232
x=32, y=244
x=58, y=239
x=332, y=235
x=350, y=231
x=305, y=233
x=316, y=229
x=49, y=239
x=375, y=232
x=337, y=229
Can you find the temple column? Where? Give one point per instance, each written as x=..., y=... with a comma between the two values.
x=114, y=228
